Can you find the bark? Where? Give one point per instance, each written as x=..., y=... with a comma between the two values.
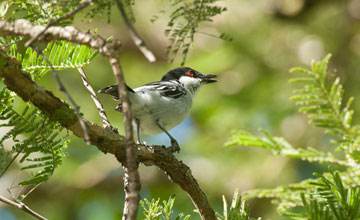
x=105, y=139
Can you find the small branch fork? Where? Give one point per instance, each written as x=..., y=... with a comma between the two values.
x=23, y=207
x=139, y=42
x=104, y=138
x=94, y=97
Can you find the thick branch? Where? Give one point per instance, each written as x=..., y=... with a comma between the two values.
x=22, y=27
x=22, y=207
x=104, y=139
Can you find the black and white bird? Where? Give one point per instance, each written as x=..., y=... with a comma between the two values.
x=159, y=106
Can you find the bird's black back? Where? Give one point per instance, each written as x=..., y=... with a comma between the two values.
x=113, y=91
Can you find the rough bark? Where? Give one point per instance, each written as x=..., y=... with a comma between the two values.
x=105, y=139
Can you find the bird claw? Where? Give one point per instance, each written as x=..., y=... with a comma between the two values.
x=141, y=143
x=175, y=147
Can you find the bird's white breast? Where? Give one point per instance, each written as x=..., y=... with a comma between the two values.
x=150, y=107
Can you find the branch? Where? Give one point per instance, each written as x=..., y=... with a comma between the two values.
x=94, y=97
x=131, y=177
x=22, y=27
x=53, y=22
x=139, y=42
x=22, y=207
x=104, y=139
x=63, y=90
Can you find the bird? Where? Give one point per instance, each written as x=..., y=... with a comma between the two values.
x=159, y=106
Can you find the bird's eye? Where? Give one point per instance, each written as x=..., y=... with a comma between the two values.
x=191, y=73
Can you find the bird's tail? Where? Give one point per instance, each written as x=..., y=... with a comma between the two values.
x=113, y=91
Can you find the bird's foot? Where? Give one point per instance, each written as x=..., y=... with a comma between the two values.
x=175, y=147
x=141, y=143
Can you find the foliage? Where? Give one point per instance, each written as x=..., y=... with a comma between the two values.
x=332, y=200
x=4, y=7
x=127, y=5
x=6, y=42
x=60, y=54
x=158, y=211
x=43, y=11
x=237, y=211
x=321, y=99
x=99, y=9
x=155, y=210
x=184, y=23
x=279, y=146
x=42, y=151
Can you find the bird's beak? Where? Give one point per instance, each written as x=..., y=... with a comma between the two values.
x=207, y=78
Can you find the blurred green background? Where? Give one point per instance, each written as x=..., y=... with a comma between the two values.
x=269, y=37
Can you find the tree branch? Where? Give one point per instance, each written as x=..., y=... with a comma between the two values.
x=104, y=139
x=131, y=177
x=63, y=90
x=94, y=97
x=139, y=42
x=53, y=22
x=23, y=27
x=22, y=207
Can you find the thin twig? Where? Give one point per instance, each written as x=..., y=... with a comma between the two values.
x=52, y=22
x=94, y=97
x=62, y=89
x=105, y=139
x=131, y=177
x=139, y=42
x=22, y=207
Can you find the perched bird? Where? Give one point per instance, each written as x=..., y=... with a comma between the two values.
x=159, y=106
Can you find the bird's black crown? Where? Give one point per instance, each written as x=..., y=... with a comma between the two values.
x=179, y=72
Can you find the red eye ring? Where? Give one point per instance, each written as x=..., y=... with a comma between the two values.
x=191, y=73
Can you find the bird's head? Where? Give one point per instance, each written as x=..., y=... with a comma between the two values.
x=190, y=78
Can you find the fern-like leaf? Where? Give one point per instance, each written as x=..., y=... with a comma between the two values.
x=6, y=42
x=238, y=209
x=321, y=99
x=279, y=146
x=329, y=199
x=158, y=211
x=61, y=54
x=328, y=196
x=184, y=22
x=42, y=151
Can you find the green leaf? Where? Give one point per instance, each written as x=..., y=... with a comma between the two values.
x=39, y=146
x=60, y=54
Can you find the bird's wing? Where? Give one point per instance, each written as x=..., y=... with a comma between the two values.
x=170, y=89
x=113, y=91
